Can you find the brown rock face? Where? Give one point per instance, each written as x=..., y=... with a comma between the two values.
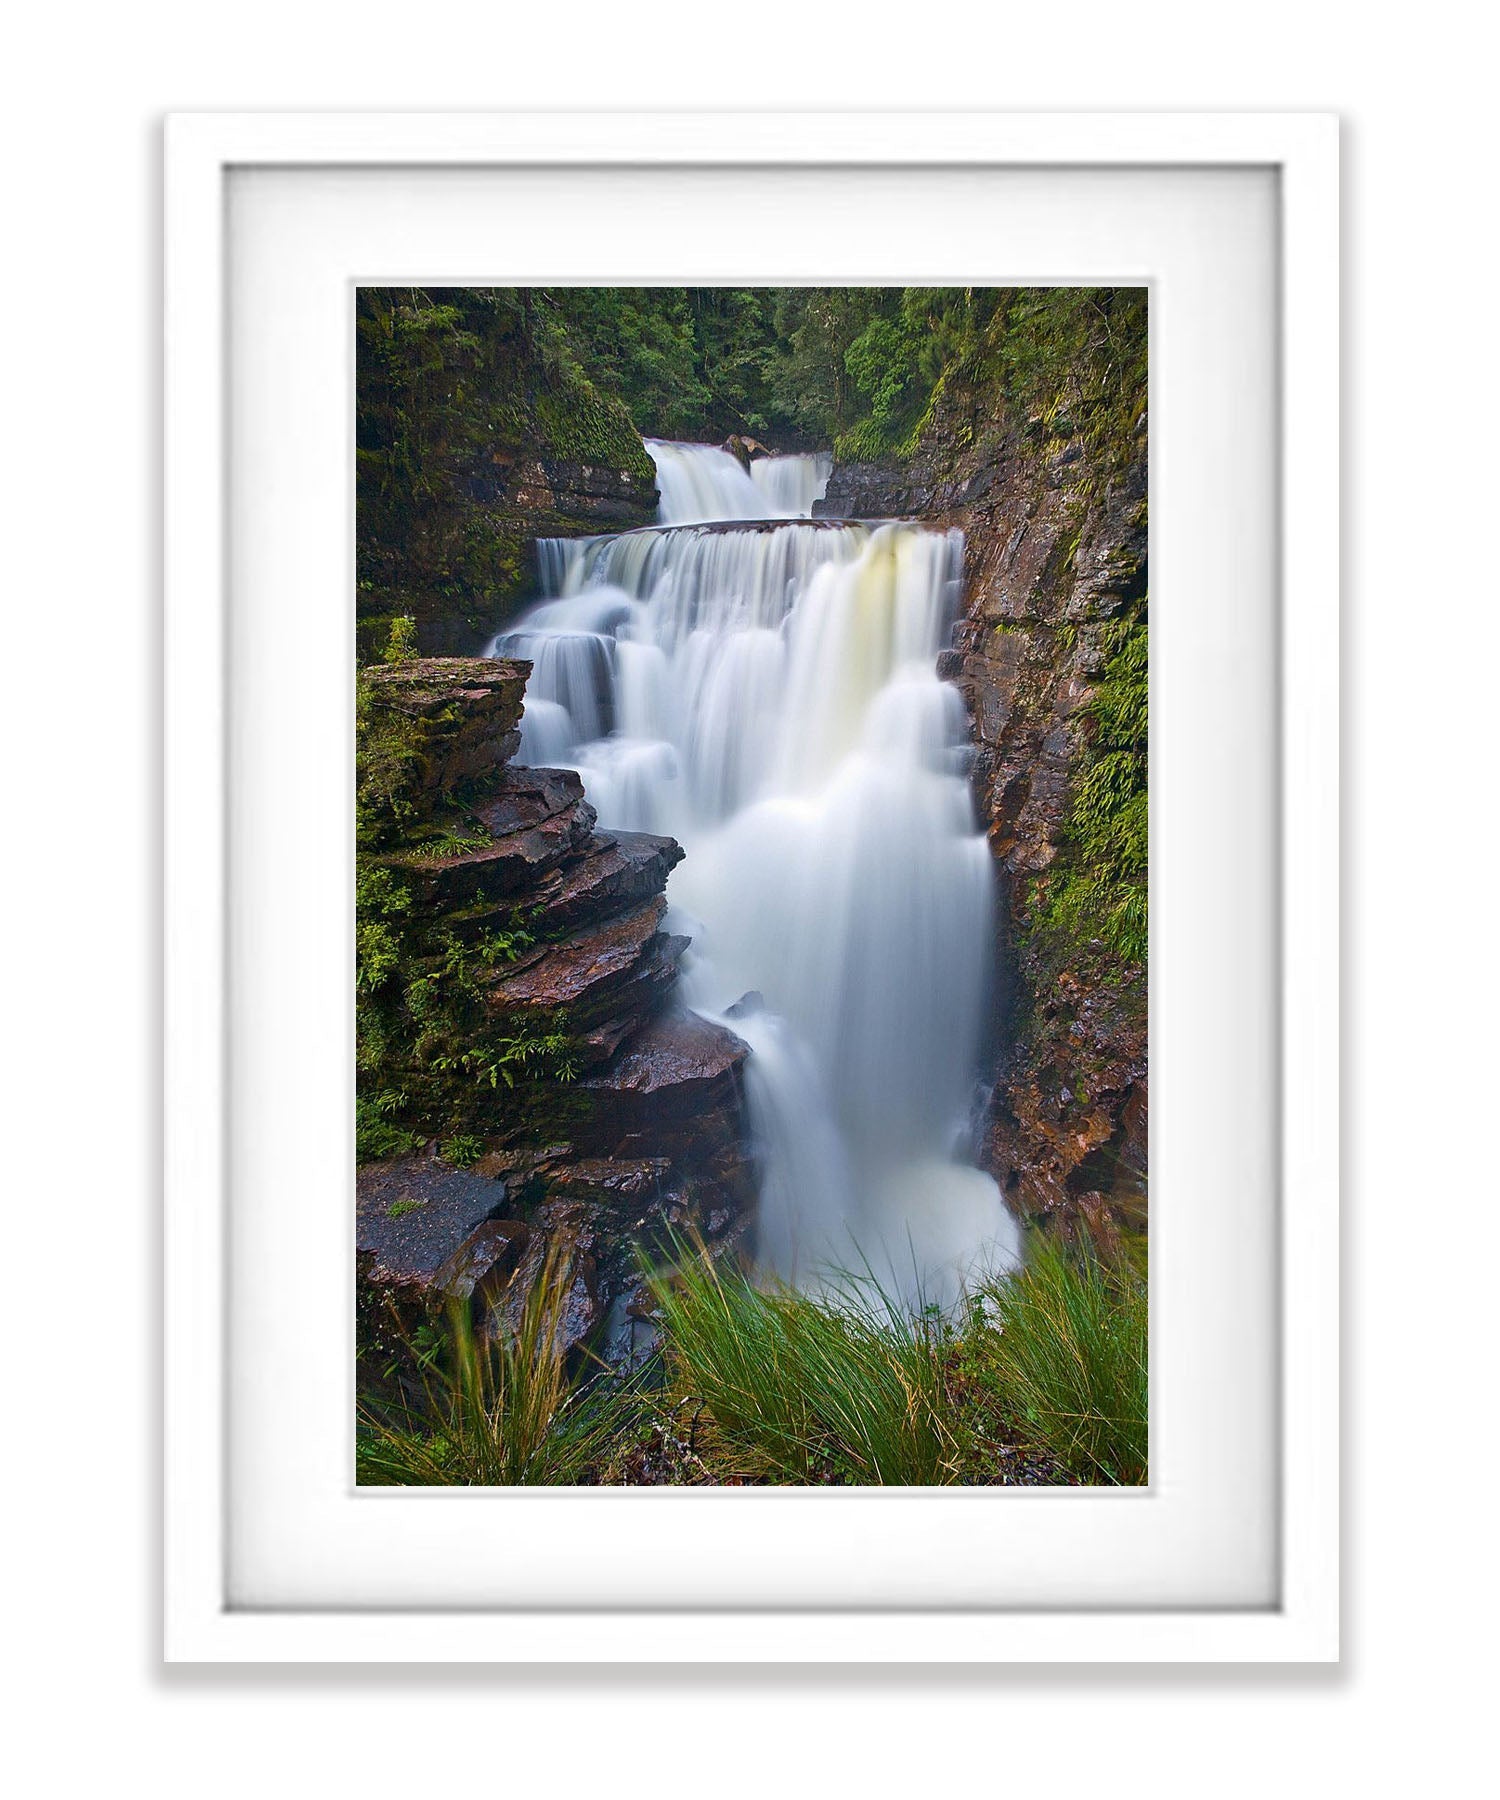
x=562, y=1246
x=584, y=498
x=425, y=1234
x=678, y=1070
x=1047, y=577
x=609, y=977
x=531, y=823
x=618, y=871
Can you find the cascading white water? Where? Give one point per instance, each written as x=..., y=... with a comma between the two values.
x=700, y=483
x=767, y=695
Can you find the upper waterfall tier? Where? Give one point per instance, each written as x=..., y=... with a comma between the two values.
x=701, y=483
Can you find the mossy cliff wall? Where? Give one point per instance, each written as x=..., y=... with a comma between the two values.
x=476, y=434
x=1044, y=468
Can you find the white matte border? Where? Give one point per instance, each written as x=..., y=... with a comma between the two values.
x=199, y=1627
x=1205, y=1533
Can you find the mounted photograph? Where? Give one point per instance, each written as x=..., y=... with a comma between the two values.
x=751, y=886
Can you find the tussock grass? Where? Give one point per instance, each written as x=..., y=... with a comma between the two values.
x=1059, y=1352
x=803, y=1391
x=510, y=1408
x=855, y=1388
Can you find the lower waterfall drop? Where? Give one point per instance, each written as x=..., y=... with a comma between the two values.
x=766, y=693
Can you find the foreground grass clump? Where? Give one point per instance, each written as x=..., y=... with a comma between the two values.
x=1058, y=1352
x=856, y=1389
x=508, y=1408
x=1040, y=1379
x=800, y=1391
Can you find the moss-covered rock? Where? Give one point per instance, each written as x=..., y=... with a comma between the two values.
x=429, y=730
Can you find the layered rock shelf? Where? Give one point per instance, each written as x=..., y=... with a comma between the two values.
x=526, y=1026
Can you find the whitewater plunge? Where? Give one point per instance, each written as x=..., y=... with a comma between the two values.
x=763, y=689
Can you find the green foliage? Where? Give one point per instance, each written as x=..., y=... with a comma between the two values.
x=388, y=762
x=803, y=1391
x=401, y=640
x=522, y=1052
x=863, y=369
x=701, y=363
x=807, y=368
x=1059, y=1353
x=508, y=1408
x=378, y=1134
x=445, y=379
x=449, y=843
x=639, y=343
x=462, y=1150
x=687, y=362
x=853, y=1388
x=896, y=364
x=381, y=903
x=770, y=1386
x=1097, y=888
x=504, y=944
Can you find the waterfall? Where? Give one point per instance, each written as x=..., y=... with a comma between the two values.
x=701, y=483
x=766, y=693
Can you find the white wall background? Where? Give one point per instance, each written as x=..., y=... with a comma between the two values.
x=79, y=373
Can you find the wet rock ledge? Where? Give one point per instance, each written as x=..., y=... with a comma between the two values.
x=540, y=1090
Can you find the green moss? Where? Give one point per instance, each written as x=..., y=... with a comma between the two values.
x=575, y=423
x=1095, y=892
x=388, y=768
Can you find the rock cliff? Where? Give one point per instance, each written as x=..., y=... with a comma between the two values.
x=526, y=1087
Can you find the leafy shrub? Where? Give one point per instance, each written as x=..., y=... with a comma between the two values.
x=378, y=1130
x=462, y=1150
x=401, y=641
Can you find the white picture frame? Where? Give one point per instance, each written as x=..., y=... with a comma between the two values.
x=208, y=741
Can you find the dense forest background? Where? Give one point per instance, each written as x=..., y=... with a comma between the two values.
x=856, y=370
